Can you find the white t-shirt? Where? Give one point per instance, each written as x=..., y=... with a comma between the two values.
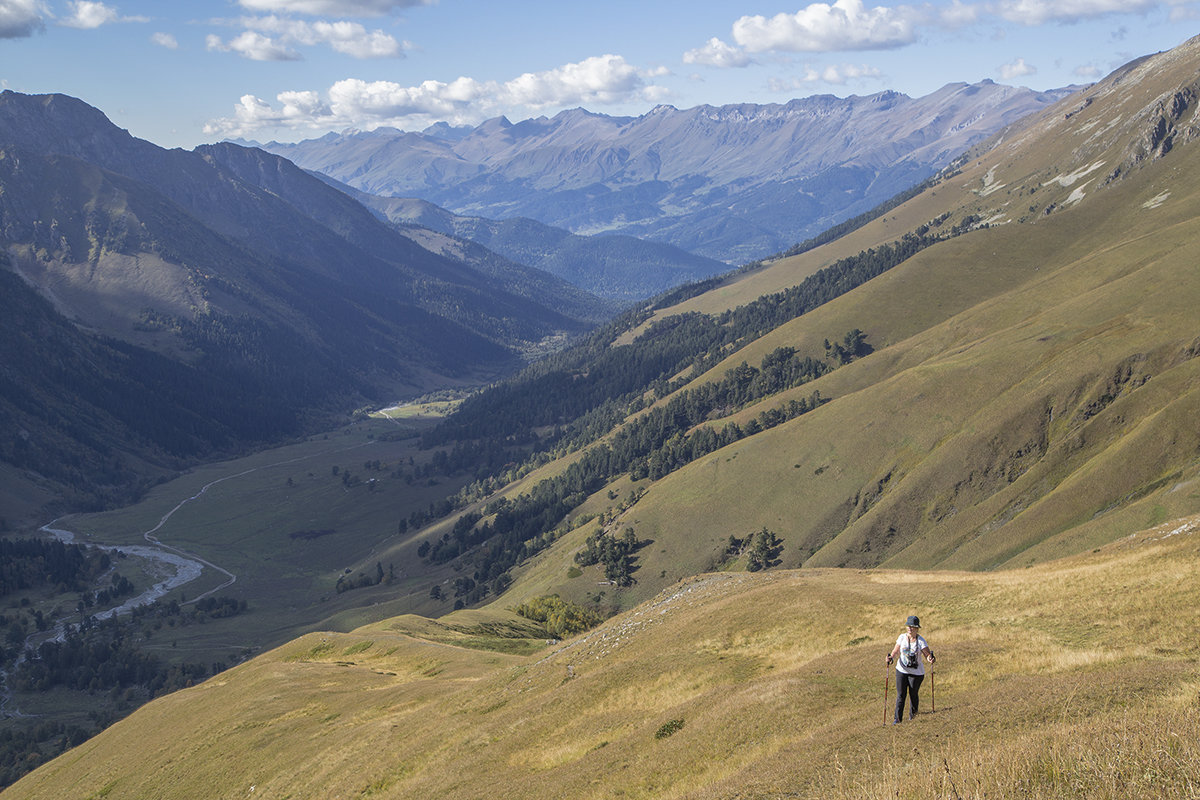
x=906, y=646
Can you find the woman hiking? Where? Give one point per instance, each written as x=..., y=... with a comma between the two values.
x=910, y=646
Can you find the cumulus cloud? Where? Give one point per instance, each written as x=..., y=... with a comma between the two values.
x=823, y=28
x=87, y=14
x=333, y=8
x=600, y=79
x=21, y=18
x=370, y=104
x=165, y=40
x=1038, y=12
x=717, y=53
x=254, y=46
x=1016, y=69
x=272, y=38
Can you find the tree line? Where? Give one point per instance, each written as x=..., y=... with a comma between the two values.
x=27, y=564
x=567, y=402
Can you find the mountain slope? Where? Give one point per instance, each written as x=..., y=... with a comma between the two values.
x=751, y=686
x=250, y=274
x=733, y=183
x=1031, y=382
x=1024, y=394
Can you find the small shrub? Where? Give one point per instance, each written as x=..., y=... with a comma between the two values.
x=560, y=618
x=668, y=728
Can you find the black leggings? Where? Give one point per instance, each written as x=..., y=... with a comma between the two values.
x=910, y=684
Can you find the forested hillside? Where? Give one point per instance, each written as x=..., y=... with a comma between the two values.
x=225, y=299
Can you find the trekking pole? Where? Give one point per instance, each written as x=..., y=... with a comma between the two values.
x=932, y=688
x=887, y=675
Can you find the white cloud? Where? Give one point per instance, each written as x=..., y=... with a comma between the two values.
x=272, y=38
x=1038, y=12
x=959, y=14
x=600, y=79
x=1016, y=69
x=370, y=104
x=334, y=8
x=717, y=53
x=1089, y=72
x=165, y=40
x=841, y=74
x=822, y=28
x=21, y=18
x=254, y=46
x=835, y=74
x=87, y=14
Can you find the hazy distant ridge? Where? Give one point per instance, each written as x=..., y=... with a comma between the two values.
x=733, y=182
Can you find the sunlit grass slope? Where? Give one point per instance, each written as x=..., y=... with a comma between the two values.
x=1033, y=384
x=1073, y=678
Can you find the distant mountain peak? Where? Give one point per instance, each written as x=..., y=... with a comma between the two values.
x=733, y=182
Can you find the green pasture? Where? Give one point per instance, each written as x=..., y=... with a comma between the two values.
x=287, y=527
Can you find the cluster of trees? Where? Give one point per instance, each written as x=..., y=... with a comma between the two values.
x=614, y=552
x=34, y=563
x=345, y=583
x=27, y=744
x=559, y=617
x=467, y=591
x=761, y=548
x=119, y=586
x=177, y=614
x=853, y=345
x=103, y=656
x=218, y=608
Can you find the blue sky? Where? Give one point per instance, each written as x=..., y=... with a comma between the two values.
x=185, y=72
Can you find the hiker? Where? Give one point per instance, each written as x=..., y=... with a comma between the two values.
x=909, y=670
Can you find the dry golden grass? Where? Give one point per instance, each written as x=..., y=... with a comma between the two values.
x=1073, y=679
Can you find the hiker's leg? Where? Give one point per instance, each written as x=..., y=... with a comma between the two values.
x=914, y=692
x=901, y=689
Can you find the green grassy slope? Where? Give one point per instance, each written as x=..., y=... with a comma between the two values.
x=1068, y=679
x=1032, y=382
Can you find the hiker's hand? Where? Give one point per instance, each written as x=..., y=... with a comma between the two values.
x=889, y=659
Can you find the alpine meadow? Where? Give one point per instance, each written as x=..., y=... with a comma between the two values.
x=602, y=549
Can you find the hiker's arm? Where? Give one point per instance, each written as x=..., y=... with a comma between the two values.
x=929, y=654
x=892, y=655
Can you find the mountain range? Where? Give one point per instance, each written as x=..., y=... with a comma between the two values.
x=229, y=269
x=667, y=560
x=624, y=269
x=733, y=183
